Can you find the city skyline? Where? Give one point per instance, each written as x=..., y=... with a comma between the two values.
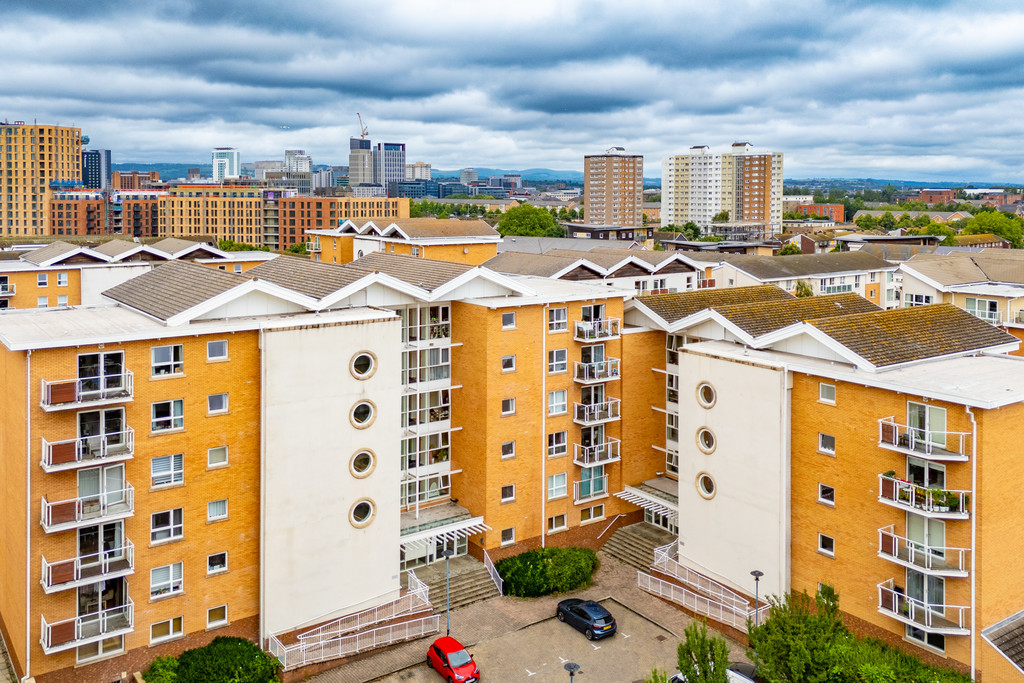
x=867, y=90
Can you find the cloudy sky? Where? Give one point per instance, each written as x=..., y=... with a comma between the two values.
x=923, y=89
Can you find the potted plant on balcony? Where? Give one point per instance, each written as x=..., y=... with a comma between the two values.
x=940, y=500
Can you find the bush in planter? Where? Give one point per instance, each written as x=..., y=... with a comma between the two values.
x=162, y=670
x=225, y=660
x=547, y=570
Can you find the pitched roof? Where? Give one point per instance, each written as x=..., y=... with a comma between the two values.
x=522, y=263
x=420, y=272
x=1007, y=636
x=174, y=245
x=542, y=245
x=981, y=238
x=803, y=265
x=50, y=251
x=767, y=316
x=678, y=305
x=653, y=257
x=427, y=228
x=599, y=257
x=312, y=278
x=903, y=335
x=173, y=288
x=990, y=265
x=115, y=248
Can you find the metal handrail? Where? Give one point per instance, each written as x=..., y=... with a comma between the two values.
x=919, y=611
x=916, y=497
x=105, y=388
x=598, y=488
x=78, y=506
x=596, y=329
x=597, y=371
x=103, y=619
x=493, y=571
x=892, y=433
x=96, y=447
x=597, y=454
x=103, y=558
x=304, y=653
x=921, y=555
x=597, y=412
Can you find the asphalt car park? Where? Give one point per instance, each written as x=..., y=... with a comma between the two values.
x=538, y=653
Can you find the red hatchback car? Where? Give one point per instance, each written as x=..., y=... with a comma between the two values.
x=450, y=659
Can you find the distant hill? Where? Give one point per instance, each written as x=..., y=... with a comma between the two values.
x=879, y=183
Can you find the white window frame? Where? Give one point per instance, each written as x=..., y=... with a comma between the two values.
x=101, y=650
x=42, y=302
x=508, y=406
x=823, y=540
x=171, y=528
x=823, y=391
x=175, y=420
x=508, y=363
x=558, y=444
x=62, y=301
x=167, y=470
x=558, y=485
x=511, y=539
x=822, y=443
x=558, y=402
x=823, y=490
x=508, y=450
x=167, y=367
x=508, y=320
x=554, y=525
x=210, y=514
x=209, y=453
x=210, y=345
x=588, y=514
x=558, y=320
x=62, y=279
x=558, y=361
x=42, y=280
x=212, y=398
x=911, y=300
x=221, y=570
x=172, y=632
x=172, y=585
x=222, y=622
x=511, y=498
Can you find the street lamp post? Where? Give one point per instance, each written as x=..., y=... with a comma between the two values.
x=757, y=574
x=572, y=668
x=447, y=590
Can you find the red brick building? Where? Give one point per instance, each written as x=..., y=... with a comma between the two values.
x=836, y=212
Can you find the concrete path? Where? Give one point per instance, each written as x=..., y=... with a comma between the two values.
x=498, y=616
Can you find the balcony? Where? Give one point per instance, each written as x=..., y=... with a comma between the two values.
x=596, y=330
x=590, y=489
x=78, y=571
x=597, y=454
x=926, y=444
x=708, y=283
x=588, y=414
x=78, y=631
x=930, y=502
x=86, y=510
x=88, y=391
x=88, y=450
x=933, y=560
x=950, y=620
x=313, y=247
x=7, y=289
x=600, y=371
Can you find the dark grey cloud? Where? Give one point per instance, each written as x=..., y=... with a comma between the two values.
x=924, y=88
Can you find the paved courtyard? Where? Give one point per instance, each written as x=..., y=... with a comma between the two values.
x=498, y=632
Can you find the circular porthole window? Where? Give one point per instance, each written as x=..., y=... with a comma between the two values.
x=706, y=395
x=364, y=364
x=362, y=464
x=362, y=513
x=363, y=414
x=706, y=485
x=706, y=440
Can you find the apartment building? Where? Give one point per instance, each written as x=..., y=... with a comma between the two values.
x=77, y=213
x=227, y=163
x=135, y=213
x=133, y=180
x=37, y=158
x=835, y=212
x=699, y=185
x=232, y=212
x=613, y=186
x=299, y=215
x=472, y=241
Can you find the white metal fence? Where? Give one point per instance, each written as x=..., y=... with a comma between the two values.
x=722, y=612
x=305, y=652
x=495, y=576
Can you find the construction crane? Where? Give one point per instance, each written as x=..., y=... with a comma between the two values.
x=362, y=128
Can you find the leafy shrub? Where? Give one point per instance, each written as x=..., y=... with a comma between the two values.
x=162, y=670
x=225, y=660
x=547, y=570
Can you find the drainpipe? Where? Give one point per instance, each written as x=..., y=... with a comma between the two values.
x=28, y=515
x=974, y=537
x=544, y=422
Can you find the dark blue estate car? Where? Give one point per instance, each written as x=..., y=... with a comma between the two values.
x=587, y=616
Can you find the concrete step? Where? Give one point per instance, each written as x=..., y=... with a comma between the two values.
x=634, y=545
x=467, y=587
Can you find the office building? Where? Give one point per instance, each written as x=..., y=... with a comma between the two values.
x=613, y=185
x=297, y=161
x=360, y=162
x=388, y=163
x=96, y=169
x=468, y=175
x=260, y=168
x=42, y=159
x=417, y=171
x=227, y=163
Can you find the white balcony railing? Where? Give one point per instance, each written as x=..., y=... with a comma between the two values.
x=599, y=371
x=594, y=330
x=952, y=620
x=597, y=454
x=923, y=443
x=100, y=566
x=935, y=560
x=89, y=628
x=87, y=450
x=70, y=393
x=589, y=489
x=75, y=512
x=313, y=247
x=7, y=289
x=596, y=413
x=931, y=502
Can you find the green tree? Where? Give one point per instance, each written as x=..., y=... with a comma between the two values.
x=530, y=221
x=702, y=659
x=887, y=221
x=867, y=222
x=797, y=642
x=656, y=676
x=803, y=289
x=691, y=230
x=944, y=231
x=298, y=248
x=996, y=223
x=789, y=249
x=721, y=217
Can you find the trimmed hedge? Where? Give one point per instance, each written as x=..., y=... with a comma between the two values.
x=225, y=660
x=547, y=570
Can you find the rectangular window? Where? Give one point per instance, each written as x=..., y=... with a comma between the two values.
x=827, y=393
x=556, y=485
x=168, y=469
x=917, y=300
x=508, y=406
x=42, y=302
x=62, y=300
x=217, y=456
x=508, y=321
x=217, y=616
x=508, y=363
x=165, y=630
x=558, y=360
x=217, y=350
x=826, y=494
x=986, y=309
x=217, y=403
x=556, y=523
x=826, y=545
x=508, y=536
x=167, y=360
x=508, y=450
x=62, y=279
x=592, y=513
x=216, y=563
x=217, y=510
x=168, y=415
x=508, y=493
x=557, y=402
x=558, y=319
x=101, y=648
x=166, y=525
x=42, y=280
x=827, y=443
x=165, y=580
x=558, y=444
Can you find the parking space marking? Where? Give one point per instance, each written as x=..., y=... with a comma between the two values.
x=530, y=673
x=596, y=647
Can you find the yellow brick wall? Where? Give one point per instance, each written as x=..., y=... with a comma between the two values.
x=642, y=388
x=472, y=254
x=27, y=289
x=12, y=500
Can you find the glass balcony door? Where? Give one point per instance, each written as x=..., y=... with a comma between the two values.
x=94, y=425
x=927, y=423
x=101, y=542
x=99, y=487
x=926, y=534
x=101, y=372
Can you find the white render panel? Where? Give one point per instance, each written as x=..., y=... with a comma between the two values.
x=316, y=564
x=98, y=279
x=251, y=304
x=745, y=526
